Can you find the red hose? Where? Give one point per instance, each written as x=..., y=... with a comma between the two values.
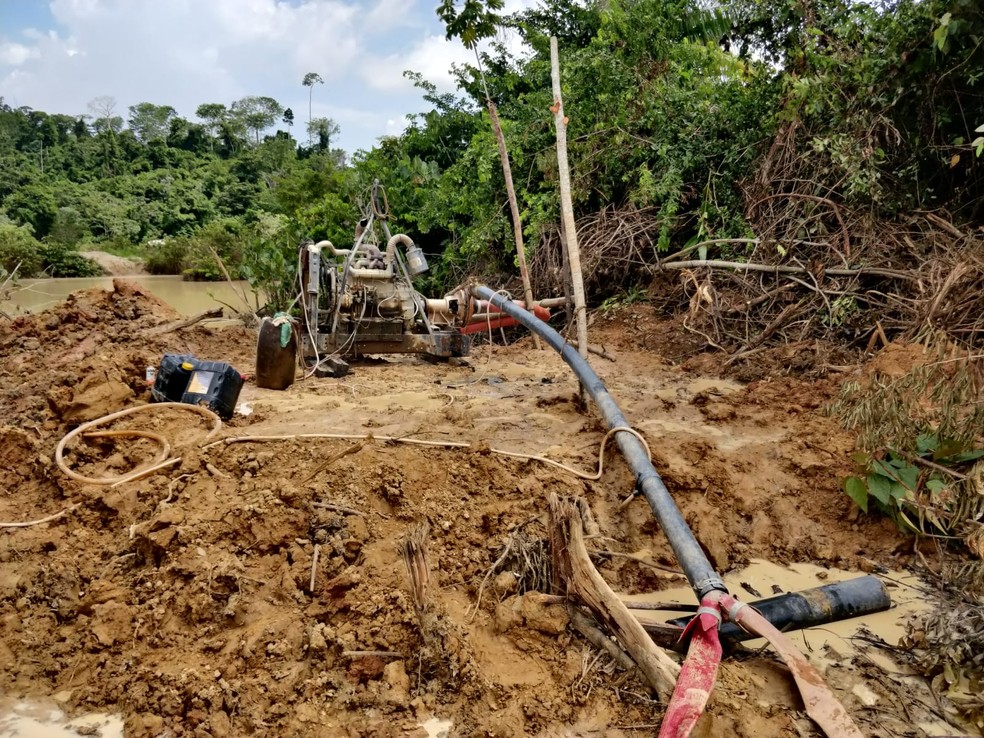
x=481, y=306
x=487, y=325
x=820, y=702
x=699, y=672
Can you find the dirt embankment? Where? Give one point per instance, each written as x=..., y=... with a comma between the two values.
x=115, y=266
x=185, y=600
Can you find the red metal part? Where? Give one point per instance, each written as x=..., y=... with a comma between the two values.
x=699, y=672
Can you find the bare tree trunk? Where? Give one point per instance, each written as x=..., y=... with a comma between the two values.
x=513, y=211
x=566, y=207
x=575, y=575
x=510, y=194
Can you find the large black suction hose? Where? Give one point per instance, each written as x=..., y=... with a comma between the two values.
x=700, y=573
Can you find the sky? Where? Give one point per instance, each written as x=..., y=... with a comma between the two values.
x=57, y=55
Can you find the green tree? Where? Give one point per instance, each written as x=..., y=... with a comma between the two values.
x=150, y=122
x=257, y=113
x=212, y=115
x=324, y=129
x=310, y=80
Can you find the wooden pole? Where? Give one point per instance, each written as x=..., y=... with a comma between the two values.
x=566, y=207
x=500, y=139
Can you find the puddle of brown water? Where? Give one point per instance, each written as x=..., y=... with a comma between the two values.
x=188, y=298
x=37, y=719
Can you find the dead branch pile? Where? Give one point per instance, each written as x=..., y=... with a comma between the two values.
x=615, y=244
x=813, y=270
x=947, y=644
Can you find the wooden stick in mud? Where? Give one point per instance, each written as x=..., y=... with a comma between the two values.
x=160, y=330
x=314, y=567
x=576, y=575
x=413, y=549
x=354, y=448
x=600, y=352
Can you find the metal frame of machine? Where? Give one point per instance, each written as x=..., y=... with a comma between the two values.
x=362, y=300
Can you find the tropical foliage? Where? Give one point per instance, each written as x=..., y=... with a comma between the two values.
x=676, y=111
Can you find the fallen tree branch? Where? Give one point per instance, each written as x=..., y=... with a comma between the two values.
x=232, y=284
x=337, y=508
x=354, y=448
x=575, y=574
x=845, y=233
x=781, y=269
x=160, y=330
x=587, y=627
x=600, y=352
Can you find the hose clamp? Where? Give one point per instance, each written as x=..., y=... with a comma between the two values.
x=709, y=611
x=709, y=584
x=734, y=610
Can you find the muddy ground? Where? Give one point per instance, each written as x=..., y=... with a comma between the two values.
x=183, y=600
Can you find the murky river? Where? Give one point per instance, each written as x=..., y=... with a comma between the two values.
x=188, y=298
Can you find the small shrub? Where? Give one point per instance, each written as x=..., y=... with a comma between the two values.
x=920, y=447
x=18, y=246
x=62, y=260
x=223, y=238
x=167, y=256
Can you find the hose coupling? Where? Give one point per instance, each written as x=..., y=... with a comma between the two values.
x=710, y=584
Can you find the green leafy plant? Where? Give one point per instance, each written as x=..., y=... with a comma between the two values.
x=167, y=256
x=19, y=247
x=62, y=260
x=270, y=261
x=920, y=447
x=623, y=299
x=909, y=493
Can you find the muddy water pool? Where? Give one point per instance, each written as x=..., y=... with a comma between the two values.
x=188, y=298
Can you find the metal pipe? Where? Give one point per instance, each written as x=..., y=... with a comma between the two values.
x=701, y=575
x=391, y=245
x=331, y=247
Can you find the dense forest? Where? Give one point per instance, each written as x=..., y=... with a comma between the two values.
x=685, y=124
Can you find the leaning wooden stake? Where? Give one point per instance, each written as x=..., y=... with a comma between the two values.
x=524, y=274
x=566, y=207
x=576, y=576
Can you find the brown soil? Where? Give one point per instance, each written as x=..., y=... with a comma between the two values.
x=115, y=266
x=183, y=600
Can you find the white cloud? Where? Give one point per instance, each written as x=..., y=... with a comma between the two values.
x=14, y=54
x=187, y=52
x=432, y=57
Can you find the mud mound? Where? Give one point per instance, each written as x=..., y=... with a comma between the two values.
x=643, y=327
x=88, y=356
x=185, y=600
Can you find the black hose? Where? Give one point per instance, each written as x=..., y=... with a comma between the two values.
x=817, y=606
x=700, y=573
